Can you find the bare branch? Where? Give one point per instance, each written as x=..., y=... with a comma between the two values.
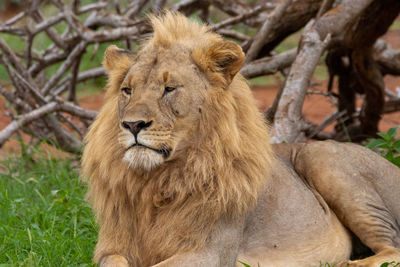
x=45, y=24
x=70, y=124
x=269, y=65
x=76, y=110
x=15, y=101
x=233, y=34
x=288, y=118
x=35, y=92
x=326, y=5
x=328, y=120
x=387, y=58
x=46, y=61
x=117, y=34
x=234, y=8
x=188, y=7
x=391, y=95
x=65, y=139
x=259, y=39
x=52, y=33
x=391, y=106
x=64, y=67
x=240, y=17
x=158, y=6
x=316, y=36
x=24, y=119
x=83, y=76
x=17, y=30
x=16, y=18
x=74, y=77
x=337, y=20
x=134, y=8
x=11, y=56
x=92, y=7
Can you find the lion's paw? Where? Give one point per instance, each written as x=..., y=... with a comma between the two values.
x=349, y=263
x=114, y=261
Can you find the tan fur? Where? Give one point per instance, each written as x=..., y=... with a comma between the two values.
x=150, y=216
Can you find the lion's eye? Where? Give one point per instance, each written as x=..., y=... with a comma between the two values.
x=127, y=90
x=168, y=89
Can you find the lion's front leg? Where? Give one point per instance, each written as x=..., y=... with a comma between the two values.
x=220, y=251
x=112, y=248
x=195, y=259
x=114, y=260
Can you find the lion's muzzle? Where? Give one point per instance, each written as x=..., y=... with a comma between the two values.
x=136, y=126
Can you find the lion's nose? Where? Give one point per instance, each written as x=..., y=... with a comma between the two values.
x=136, y=126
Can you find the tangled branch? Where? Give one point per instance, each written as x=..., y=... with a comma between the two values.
x=46, y=107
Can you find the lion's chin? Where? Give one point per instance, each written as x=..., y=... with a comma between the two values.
x=144, y=159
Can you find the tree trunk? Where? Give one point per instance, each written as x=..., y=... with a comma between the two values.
x=358, y=72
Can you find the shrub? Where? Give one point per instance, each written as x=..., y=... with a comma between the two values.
x=387, y=145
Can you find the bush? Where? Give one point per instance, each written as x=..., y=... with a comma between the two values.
x=387, y=145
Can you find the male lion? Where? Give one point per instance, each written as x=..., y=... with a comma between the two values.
x=182, y=172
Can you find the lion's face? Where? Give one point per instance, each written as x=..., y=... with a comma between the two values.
x=161, y=94
x=159, y=104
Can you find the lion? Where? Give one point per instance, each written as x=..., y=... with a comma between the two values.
x=181, y=171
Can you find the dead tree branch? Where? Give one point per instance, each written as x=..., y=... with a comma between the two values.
x=24, y=119
x=315, y=38
x=288, y=118
x=269, y=65
x=259, y=39
x=42, y=91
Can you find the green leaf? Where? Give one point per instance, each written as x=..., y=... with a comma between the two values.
x=396, y=144
x=385, y=136
x=392, y=132
x=389, y=156
x=396, y=161
x=392, y=263
x=377, y=143
x=244, y=264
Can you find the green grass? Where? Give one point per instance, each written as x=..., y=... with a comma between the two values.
x=44, y=219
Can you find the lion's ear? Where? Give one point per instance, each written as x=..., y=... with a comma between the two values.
x=117, y=59
x=224, y=57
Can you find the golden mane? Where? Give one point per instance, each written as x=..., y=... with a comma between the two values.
x=174, y=27
x=175, y=207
